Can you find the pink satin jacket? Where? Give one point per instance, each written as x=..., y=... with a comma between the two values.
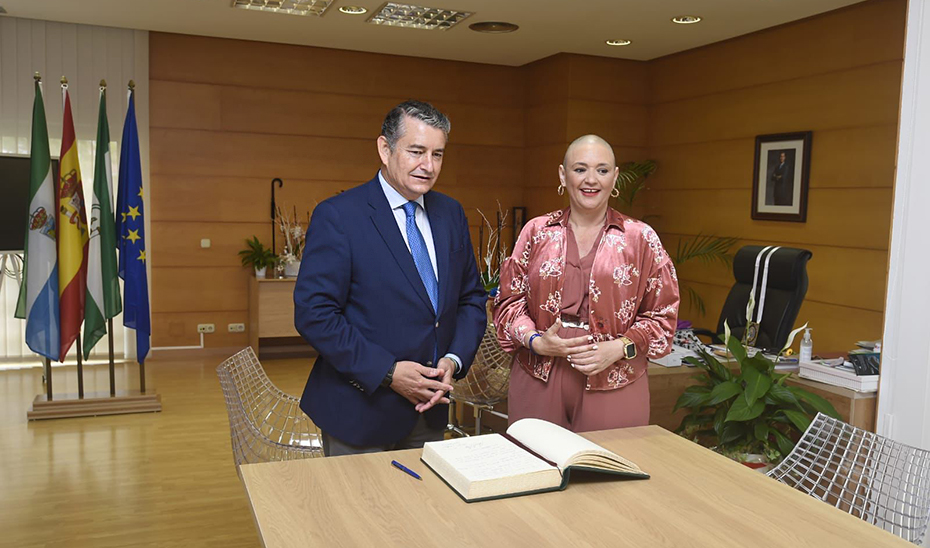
x=633, y=291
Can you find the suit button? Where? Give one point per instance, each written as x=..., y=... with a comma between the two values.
x=430, y=363
x=437, y=324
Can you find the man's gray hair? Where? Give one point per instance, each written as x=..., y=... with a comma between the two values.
x=393, y=127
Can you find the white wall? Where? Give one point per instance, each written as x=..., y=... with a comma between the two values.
x=85, y=54
x=904, y=392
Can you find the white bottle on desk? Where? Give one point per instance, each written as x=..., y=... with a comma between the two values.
x=807, y=346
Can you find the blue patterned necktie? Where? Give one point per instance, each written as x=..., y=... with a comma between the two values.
x=421, y=255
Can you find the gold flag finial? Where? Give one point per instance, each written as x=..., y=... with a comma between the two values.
x=132, y=85
x=37, y=77
x=103, y=83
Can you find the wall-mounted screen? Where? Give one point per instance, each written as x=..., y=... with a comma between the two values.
x=14, y=200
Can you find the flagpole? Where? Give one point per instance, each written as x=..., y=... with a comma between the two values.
x=80, y=368
x=48, y=379
x=112, y=365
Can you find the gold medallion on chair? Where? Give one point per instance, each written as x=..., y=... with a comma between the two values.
x=752, y=333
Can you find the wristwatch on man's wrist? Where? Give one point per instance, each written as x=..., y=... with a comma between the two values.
x=629, y=348
x=389, y=378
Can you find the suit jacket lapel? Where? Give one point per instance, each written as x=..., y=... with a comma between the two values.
x=442, y=243
x=383, y=219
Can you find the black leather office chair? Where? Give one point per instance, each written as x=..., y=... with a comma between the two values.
x=787, y=286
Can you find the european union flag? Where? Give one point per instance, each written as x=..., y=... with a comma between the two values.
x=130, y=228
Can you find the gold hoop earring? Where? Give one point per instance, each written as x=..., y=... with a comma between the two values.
x=561, y=190
x=615, y=193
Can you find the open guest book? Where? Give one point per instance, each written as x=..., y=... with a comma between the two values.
x=532, y=457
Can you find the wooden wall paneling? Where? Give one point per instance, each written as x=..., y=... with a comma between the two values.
x=863, y=34
x=620, y=124
x=180, y=328
x=193, y=152
x=845, y=157
x=178, y=243
x=546, y=81
x=194, y=289
x=235, y=199
x=861, y=96
x=837, y=217
x=184, y=105
x=465, y=165
x=608, y=80
x=291, y=67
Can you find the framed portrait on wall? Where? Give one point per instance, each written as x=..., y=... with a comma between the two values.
x=780, y=177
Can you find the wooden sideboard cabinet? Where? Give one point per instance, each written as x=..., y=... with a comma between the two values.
x=271, y=317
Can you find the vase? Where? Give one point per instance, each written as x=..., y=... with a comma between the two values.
x=291, y=269
x=260, y=272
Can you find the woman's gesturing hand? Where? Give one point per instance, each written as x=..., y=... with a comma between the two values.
x=550, y=344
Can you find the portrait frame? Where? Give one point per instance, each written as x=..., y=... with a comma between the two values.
x=781, y=175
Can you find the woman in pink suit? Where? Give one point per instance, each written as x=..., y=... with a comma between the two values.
x=587, y=296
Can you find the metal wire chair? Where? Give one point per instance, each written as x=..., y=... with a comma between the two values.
x=265, y=424
x=486, y=383
x=881, y=481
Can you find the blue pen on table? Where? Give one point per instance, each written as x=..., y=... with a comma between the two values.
x=405, y=469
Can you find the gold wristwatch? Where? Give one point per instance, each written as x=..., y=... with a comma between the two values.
x=629, y=348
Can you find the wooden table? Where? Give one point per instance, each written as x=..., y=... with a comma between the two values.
x=694, y=498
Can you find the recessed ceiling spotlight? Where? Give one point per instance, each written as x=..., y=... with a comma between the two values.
x=686, y=19
x=353, y=10
x=618, y=42
x=394, y=14
x=291, y=7
x=493, y=27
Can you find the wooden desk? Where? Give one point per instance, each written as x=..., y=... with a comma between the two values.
x=694, y=498
x=666, y=384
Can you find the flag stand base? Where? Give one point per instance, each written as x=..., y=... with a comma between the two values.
x=93, y=404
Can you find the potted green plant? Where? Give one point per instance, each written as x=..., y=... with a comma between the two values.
x=747, y=410
x=257, y=256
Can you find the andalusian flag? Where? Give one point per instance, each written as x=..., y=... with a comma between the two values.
x=72, y=234
x=103, y=300
x=130, y=228
x=38, y=295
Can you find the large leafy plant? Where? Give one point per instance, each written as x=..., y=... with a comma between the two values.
x=749, y=410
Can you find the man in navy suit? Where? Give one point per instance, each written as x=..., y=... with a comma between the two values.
x=388, y=294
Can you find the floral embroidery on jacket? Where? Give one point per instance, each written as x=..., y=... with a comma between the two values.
x=552, y=267
x=627, y=310
x=553, y=304
x=654, y=284
x=652, y=239
x=623, y=274
x=593, y=291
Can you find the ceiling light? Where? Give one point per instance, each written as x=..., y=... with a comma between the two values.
x=618, y=42
x=686, y=19
x=353, y=10
x=493, y=27
x=292, y=7
x=393, y=14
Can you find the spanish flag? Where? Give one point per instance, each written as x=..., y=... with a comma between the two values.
x=72, y=234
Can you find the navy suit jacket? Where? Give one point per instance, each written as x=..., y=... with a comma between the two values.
x=360, y=302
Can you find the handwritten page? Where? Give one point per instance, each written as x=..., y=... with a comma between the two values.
x=488, y=457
